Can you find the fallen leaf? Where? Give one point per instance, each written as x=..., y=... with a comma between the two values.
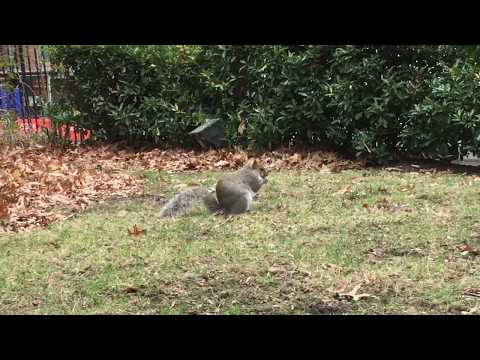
x=475, y=292
x=295, y=158
x=352, y=295
x=3, y=209
x=343, y=190
x=130, y=290
x=222, y=164
x=325, y=169
x=193, y=276
x=376, y=252
x=467, y=249
x=275, y=270
x=135, y=231
x=472, y=311
x=193, y=183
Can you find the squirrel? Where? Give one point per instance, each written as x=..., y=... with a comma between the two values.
x=234, y=193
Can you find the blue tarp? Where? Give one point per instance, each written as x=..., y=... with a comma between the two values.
x=12, y=100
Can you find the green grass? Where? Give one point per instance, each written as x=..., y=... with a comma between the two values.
x=308, y=234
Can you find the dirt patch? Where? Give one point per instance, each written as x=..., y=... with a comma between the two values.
x=282, y=292
x=334, y=307
x=430, y=167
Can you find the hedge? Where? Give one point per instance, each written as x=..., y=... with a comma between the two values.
x=382, y=102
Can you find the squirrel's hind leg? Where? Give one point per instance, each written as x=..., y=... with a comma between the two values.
x=241, y=205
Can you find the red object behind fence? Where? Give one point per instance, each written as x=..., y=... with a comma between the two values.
x=36, y=125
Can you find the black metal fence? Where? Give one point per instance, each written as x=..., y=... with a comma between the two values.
x=25, y=90
x=24, y=81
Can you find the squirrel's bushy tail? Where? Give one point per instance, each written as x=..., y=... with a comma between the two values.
x=187, y=199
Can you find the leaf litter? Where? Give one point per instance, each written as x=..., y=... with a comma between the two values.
x=38, y=181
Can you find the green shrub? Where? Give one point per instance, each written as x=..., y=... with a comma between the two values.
x=381, y=102
x=446, y=121
x=273, y=92
x=370, y=90
x=129, y=92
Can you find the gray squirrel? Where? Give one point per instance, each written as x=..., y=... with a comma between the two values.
x=234, y=193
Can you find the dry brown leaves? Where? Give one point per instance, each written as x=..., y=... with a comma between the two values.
x=36, y=180
x=135, y=231
x=468, y=250
x=342, y=294
x=178, y=160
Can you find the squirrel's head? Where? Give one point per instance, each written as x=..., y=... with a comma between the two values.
x=254, y=164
